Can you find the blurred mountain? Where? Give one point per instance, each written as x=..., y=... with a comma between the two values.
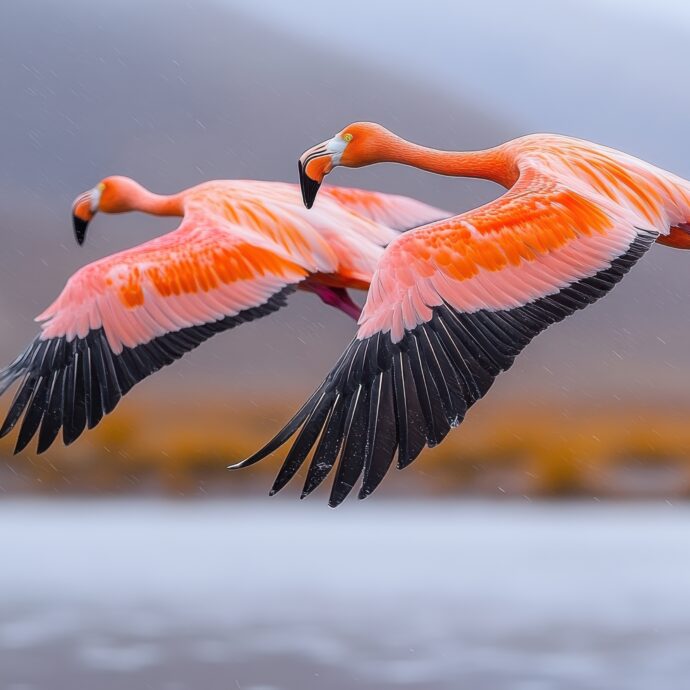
x=173, y=93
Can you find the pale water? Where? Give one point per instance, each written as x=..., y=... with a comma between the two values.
x=281, y=595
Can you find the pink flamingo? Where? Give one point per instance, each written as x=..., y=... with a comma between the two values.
x=240, y=249
x=454, y=302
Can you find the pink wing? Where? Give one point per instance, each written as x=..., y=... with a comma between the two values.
x=450, y=306
x=120, y=319
x=392, y=210
x=241, y=248
x=344, y=234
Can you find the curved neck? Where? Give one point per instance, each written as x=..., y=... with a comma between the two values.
x=491, y=164
x=157, y=204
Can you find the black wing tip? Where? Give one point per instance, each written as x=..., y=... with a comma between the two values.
x=72, y=385
x=248, y=462
x=439, y=370
x=339, y=492
x=280, y=483
x=6, y=428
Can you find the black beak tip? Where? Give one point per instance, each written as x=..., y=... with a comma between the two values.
x=309, y=187
x=80, y=226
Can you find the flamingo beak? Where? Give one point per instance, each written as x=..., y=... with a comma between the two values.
x=313, y=165
x=83, y=210
x=80, y=226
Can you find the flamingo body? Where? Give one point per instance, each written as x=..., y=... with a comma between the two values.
x=240, y=249
x=452, y=303
x=573, y=208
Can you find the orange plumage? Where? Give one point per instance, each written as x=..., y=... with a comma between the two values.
x=453, y=302
x=240, y=248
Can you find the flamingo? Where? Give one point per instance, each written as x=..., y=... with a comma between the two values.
x=241, y=248
x=453, y=303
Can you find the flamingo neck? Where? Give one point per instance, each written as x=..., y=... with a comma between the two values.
x=490, y=164
x=157, y=204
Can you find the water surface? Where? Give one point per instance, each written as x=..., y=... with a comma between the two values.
x=282, y=595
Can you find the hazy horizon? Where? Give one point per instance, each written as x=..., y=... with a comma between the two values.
x=544, y=544
x=133, y=89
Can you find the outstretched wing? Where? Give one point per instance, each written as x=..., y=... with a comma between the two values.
x=450, y=307
x=120, y=319
x=344, y=235
x=392, y=210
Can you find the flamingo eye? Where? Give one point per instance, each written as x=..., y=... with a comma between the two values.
x=347, y=137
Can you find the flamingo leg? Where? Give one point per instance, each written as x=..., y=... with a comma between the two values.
x=678, y=237
x=337, y=297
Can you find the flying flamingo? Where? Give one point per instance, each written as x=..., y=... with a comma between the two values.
x=452, y=303
x=240, y=249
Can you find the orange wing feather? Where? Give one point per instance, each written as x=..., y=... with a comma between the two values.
x=392, y=210
x=241, y=247
x=549, y=230
x=198, y=274
x=454, y=302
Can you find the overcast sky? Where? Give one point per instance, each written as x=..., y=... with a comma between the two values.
x=612, y=70
x=174, y=92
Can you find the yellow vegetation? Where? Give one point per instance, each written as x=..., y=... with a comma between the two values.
x=182, y=447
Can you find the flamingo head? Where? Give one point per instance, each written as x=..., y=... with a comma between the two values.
x=84, y=208
x=112, y=195
x=361, y=143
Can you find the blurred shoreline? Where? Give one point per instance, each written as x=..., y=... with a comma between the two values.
x=533, y=450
